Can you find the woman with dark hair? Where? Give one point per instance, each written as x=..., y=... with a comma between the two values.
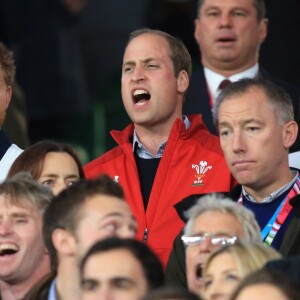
x=50, y=163
x=264, y=284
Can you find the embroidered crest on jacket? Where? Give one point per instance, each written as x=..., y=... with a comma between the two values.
x=201, y=169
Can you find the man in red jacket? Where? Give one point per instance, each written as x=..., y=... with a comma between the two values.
x=163, y=156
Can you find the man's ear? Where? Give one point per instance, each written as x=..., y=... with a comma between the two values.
x=8, y=96
x=289, y=134
x=263, y=30
x=64, y=242
x=196, y=30
x=182, y=82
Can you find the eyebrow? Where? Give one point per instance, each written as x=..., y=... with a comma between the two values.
x=230, y=271
x=220, y=8
x=56, y=176
x=18, y=215
x=115, y=280
x=117, y=214
x=132, y=63
x=214, y=233
x=243, y=122
x=49, y=175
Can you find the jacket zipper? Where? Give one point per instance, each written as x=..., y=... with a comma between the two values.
x=146, y=235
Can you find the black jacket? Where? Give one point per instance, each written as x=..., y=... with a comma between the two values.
x=175, y=271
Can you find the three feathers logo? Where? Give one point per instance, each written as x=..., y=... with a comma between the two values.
x=201, y=169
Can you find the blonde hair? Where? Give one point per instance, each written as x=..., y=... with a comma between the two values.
x=248, y=257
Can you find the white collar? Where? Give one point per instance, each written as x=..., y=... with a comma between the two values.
x=214, y=79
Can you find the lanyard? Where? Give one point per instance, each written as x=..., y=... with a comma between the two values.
x=269, y=232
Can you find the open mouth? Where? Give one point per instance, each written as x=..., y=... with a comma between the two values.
x=225, y=40
x=199, y=268
x=8, y=249
x=140, y=97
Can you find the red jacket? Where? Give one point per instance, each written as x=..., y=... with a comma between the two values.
x=192, y=163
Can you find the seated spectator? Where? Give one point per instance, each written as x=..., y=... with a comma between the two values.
x=8, y=151
x=214, y=221
x=50, y=163
x=255, y=115
x=120, y=269
x=262, y=285
x=87, y=211
x=226, y=267
x=288, y=266
x=23, y=256
x=162, y=156
x=171, y=293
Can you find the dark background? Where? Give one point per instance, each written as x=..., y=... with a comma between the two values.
x=69, y=65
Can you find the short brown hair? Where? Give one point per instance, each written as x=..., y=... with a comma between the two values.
x=65, y=208
x=178, y=52
x=7, y=64
x=22, y=188
x=259, y=5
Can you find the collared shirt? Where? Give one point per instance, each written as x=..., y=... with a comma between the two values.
x=142, y=152
x=8, y=153
x=275, y=194
x=52, y=290
x=214, y=79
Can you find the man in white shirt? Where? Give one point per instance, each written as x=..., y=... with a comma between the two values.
x=8, y=151
x=229, y=34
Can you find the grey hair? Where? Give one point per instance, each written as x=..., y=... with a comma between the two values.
x=220, y=203
x=279, y=100
x=22, y=187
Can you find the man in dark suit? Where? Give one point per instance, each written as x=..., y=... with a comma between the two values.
x=229, y=34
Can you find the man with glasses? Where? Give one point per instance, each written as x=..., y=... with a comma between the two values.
x=214, y=221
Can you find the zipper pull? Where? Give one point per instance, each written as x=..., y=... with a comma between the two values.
x=145, y=235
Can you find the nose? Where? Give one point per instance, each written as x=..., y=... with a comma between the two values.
x=138, y=74
x=225, y=20
x=238, y=144
x=59, y=186
x=5, y=227
x=104, y=293
x=206, y=245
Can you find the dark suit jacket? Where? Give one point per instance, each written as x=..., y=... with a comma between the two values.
x=197, y=100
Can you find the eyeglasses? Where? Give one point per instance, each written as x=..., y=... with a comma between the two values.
x=215, y=239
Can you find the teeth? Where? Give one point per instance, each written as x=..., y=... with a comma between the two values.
x=140, y=96
x=139, y=92
x=8, y=247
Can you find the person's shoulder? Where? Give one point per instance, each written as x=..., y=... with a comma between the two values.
x=93, y=167
x=198, y=76
x=40, y=290
x=291, y=89
x=203, y=137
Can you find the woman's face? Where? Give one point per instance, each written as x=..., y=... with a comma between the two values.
x=221, y=277
x=261, y=291
x=60, y=170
